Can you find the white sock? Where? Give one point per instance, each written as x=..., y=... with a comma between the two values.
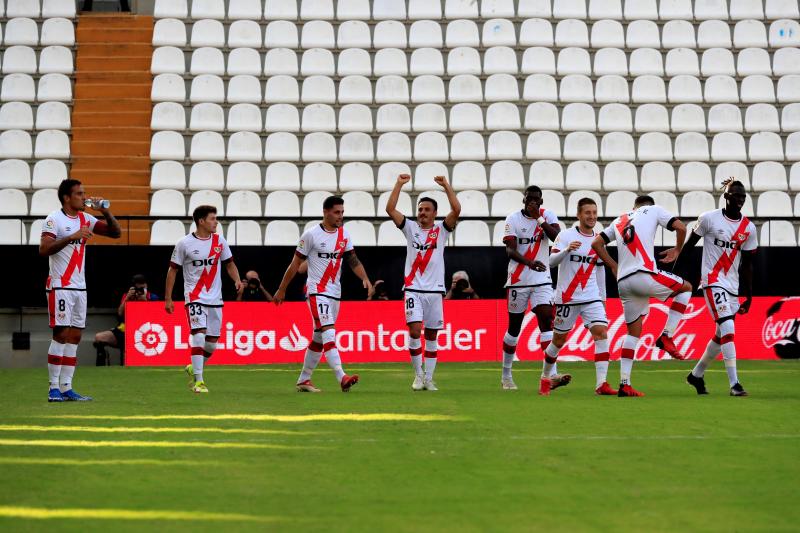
x=550, y=352
x=54, y=355
x=68, y=362
x=600, y=361
x=415, y=349
x=676, y=312
x=431, y=353
x=729, y=356
x=730, y=368
x=554, y=369
x=626, y=361
x=312, y=358
x=196, y=342
x=198, y=361
x=712, y=351
x=332, y=354
x=509, y=350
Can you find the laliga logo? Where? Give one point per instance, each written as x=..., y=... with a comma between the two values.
x=150, y=339
x=294, y=342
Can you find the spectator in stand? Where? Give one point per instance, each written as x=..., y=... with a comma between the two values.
x=460, y=289
x=115, y=337
x=252, y=289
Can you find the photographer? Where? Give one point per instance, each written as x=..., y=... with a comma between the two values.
x=115, y=338
x=460, y=288
x=252, y=290
x=379, y=291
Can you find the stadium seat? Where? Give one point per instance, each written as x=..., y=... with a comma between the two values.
x=753, y=61
x=388, y=90
x=19, y=59
x=357, y=62
x=572, y=203
x=359, y=204
x=429, y=117
x=538, y=60
x=168, y=32
x=57, y=31
x=15, y=174
x=166, y=88
x=769, y=176
x=282, y=176
x=166, y=175
x=208, y=9
x=319, y=176
x=247, y=117
x=761, y=117
x=206, y=175
x=790, y=118
x=462, y=88
x=675, y=9
x=281, y=146
x=665, y=199
x=540, y=88
x=13, y=202
x=317, y=62
x=319, y=146
x=793, y=146
x=283, y=34
x=677, y=34
x=765, y=146
x=361, y=231
x=312, y=203
x=244, y=146
x=651, y=117
x=316, y=34
x=389, y=34
x=777, y=233
x=721, y=89
x=724, y=117
x=166, y=232
x=770, y=204
x=642, y=34
x=572, y=32
x=611, y=89
x=608, y=33
x=210, y=88
x=390, y=235
x=655, y=147
x=354, y=10
x=789, y=88
x=16, y=116
x=757, y=88
x=55, y=59
x=646, y=61
x=734, y=170
x=682, y=61
x=713, y=33
x=695, y=203
x=786, y=61
x=245, y=9
x=794, y=177
x=579, y=146
x=578, y=117
x=316, y=117
x=244, y=61
x=430, y=146
x=504, y=175
x=472, y=233
x=425, y=33
x=657, y=176
x=541, y=116
x=403, y=203
x=425, y=172
x=353, y=34
x=387, y=176
x=720, y=61
x=750, y=33
x=695, y=176
x=473, y=204
x=546, y=175
x=280, y=10
x=649, y=89
x=358, y=146
x=466, y=145
x=168, y=59
x=207, y=145
x=243, y=176
x=53, y=115
x=243, y=232
x=356, y=177
x=573, y=60
x=430, y=61
x=499, y=60
x=280, y=61
x=576, y=88
x=620, y=176
x=51, y=144
x=44, y=202
x=505, y=202
x=21, y=31
x=319, y=90
x=206, y=198
x=244, y=204
x=543, y=145
x=15, y=144
x=207, y=33
x=691, y=146
x=204, y=117
x=500, y=87
x=358, y=118
x=583, y=175
x=503, y=145
x=610, y=61
x=470, y=175
x=685, y=89
x=388, y=61
x=280, y=89
x=281, y=233
x=617, y=146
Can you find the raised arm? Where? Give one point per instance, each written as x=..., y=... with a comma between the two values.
x=49, y=245
x=599, y=246
x=558, y=256
x=391, y=204
x=455, y=206
x=551, y=230
x=291, y=271
x=108, y=227
x=358, y=269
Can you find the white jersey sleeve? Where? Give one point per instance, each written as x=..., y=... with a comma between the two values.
x=610, y=232
x=178, y=254
x=664, y=216
x=752, y=240
x=305, y=245
x=226, y=253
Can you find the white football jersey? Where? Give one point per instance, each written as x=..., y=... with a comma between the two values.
x=67, y=266
x=424, y=270
x=635, y=232
x=581, y=276
x=324, y=250
x=200, y=260
x=723, y=241
x=533, y=244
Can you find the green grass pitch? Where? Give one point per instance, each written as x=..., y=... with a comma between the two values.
x=253, y=455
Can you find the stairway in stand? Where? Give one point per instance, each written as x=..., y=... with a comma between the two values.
x=111, y=115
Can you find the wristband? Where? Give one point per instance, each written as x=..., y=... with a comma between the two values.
x=541, y=220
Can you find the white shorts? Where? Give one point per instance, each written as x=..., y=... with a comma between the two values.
x=324, y=310
x=205, y=317
x=592, y=314
x=519, y=298
x=636, y=290
x=67, y=308
x=425, y=307
x=721, y=304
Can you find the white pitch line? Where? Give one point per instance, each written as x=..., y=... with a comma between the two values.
x=106, y=429
x=140, y=444
x=42, y=513
x=62, y=461
x=322, y=417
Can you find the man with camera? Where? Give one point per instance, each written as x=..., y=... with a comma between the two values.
x=460, y=288
x=115, y=337
x=252, y=290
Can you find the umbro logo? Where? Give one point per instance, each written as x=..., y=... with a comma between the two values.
x=195, y=252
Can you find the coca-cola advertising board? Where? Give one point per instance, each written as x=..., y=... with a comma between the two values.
x=375, y=332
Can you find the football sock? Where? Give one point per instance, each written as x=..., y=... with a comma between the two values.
x=313, y=355
x=54, y=355
x=676, y=312
x=332, y=354
x=712, y=351
x=431, y=352
x=726, y=329
x=198, y=360
x=68, y=362
x=550, y=355
x=415, y=348
x=626, y=361
x=601, y=361
x=509, y=349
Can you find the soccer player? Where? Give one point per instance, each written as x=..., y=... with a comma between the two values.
x=324, y=246
x=729, y=240
x=423, y=284
x=639, y=278
x=64, y=235
x=199, y=254
x=581, y=292
x=527, y=235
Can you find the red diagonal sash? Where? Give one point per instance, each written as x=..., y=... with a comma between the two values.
x=207, y=277
x=76, y=260
x=421, y=261
x=725, y=262
x=581, y=279
x=635, y=245
x=334, y=266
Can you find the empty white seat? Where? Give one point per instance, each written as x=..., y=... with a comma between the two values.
x=245, y=9
x=317, y=61
x=390, y=117
x=466, y=117
x=355, y=61
x=611, y=89
x=769, y=176
x=503, y=175
x=13, y=202
x=244, y=61
x=430, y=61
x=695, y=176
x=318, y=89
x=610, y=61
x=655, y=147
x=16, y=116
x=643, y=34
x=51, y=144
x=389, y=34
x=619, y=202
x=243, y=232
x=316, y=9
x=166, y=232
x=572, y=202
x=359, y=204
x=778, y=233
x=21, y=31
x=617, y=146
x=55, y=59
x=695, y=203
x=691, y=146
x=356, y=177
x=781, y=8
x=576, y=88
x=769, y=204
x=167, y=59
x=244, y=204
x=244, y=146
x=390, y=235
x=464, y=88
x=167, y=145
x=721, y=89
x=498, y=60
x=208, y=9
x=207, y=33
x=728, y=146
x=719, y=61
x=280, y=61
x=646, y=61
x=578, y=117
x=44, y=202
x=167, y=202
x=502, y=116
x=620, y=176
x=358, y=146
x=608, y=33
x=15, y=174
x=388, y=61
x=658, y=176
x=58, y=31
x=651, y=117
x=166, y=88
x=572, y=32
x=540, y=88
x=466, y=145
x=786, y=61
x=501, y=87
x=682, y=61
x=678, y=33
x=547, y=175
x=737, y=171
x=757, y=88
x=358, y=117
x=388, y=89
x=583, y=175
x=316, y=34
x=765, y=146
x=573, y=60
x=543, y=145
x=168, y=116
x=361, y=232
x=388, y=9
x=505, y=202
x=19, y=59
x=243, y=176
x=761, y=117
x=649, y=89
x=685, y=88
x=425, y=33
x=312, y=203
x=580, y=145
x=430, y=146
x=206, y=175
x=354, y=34
x=353, y=10
x=713, y=33
x=541, y=116
x=208, y=88
x=319, y=146
x=688, y=117
x=168, y=32
x=748, y=33
x=316, y=117
x=499, y=31
x=164, y=175
x=789, y=88
x=790, y=118
x=281, y=146
x=472, y=233
x=281, y=176
x=247, y=117
x=504, y=145
x=675, y=9
x=472, y=175
x=171, y=9
x=53, y=115
x=665, y=199
x=207, y=145
x=283, y=34
x=205, y=117
x=282, y=232
x=536, y=32
x=747, y=9
x=282, y=203
x=206, y=198
x=358, y=90
x=281, y=89
x=428, y=89
x=15, y=144
x=428, y=117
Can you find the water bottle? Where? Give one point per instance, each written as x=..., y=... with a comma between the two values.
x=104, y=204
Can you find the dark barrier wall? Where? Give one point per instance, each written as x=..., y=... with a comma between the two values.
x=109, y=270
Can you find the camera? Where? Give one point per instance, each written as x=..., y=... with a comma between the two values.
x=253, y=283
x=462, y=285
x=138, y=290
